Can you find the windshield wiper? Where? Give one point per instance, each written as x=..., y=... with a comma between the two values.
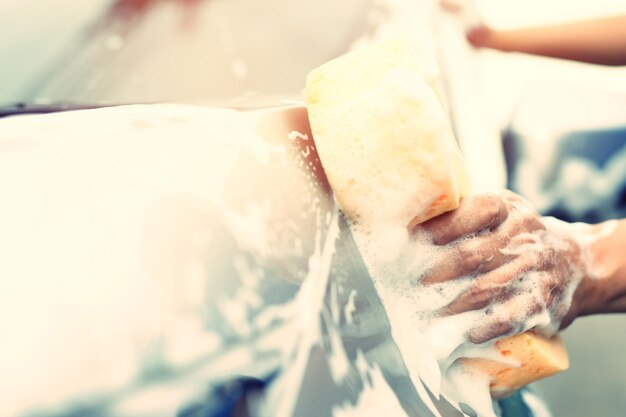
x=29, y=108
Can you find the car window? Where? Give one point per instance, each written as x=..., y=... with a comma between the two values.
x=129, y=51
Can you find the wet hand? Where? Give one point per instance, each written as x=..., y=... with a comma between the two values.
x=521, y=271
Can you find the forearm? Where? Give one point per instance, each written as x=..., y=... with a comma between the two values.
x=599, y=41
x=606, y=285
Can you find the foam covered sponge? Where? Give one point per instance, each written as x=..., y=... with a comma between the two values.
x=383, y=135
x=386, y=145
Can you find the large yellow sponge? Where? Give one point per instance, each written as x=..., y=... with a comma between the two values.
x=384, y=139
x=383, y=135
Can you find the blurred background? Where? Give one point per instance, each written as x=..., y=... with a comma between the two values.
x=98, y=52
x=129, y=51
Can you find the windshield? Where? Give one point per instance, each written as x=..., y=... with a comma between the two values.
x=138, y=51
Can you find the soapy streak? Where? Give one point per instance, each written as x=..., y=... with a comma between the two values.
x=376, y=397
x=350, y=307
x=294, y=134
x=282, y=397
x=420, y=339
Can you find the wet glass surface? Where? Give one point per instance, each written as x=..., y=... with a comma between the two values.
x=136, y=51
x=215, y=255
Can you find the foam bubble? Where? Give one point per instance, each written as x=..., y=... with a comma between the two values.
x=431, y=343
x=397, y=262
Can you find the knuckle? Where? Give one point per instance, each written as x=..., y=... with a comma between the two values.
x=480, y=292
x=472, y=299
x=470, y=260
x=430, y=276
x=494, y=208
x=547, y=258
x=438, y=229
x=532, y=223
x=550, y=282
x=492, y=330
x=508, y=194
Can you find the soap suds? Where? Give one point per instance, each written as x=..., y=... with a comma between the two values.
x=425, y=342
x=376, y=397
x=282, y=396
x=585, y=235
x=540, y=297
x=294, y=134
x=349, y=309
x=534, y=403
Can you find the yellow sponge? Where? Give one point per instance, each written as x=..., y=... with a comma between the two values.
x=383, y=135
x=538, y=357
x=384, y=139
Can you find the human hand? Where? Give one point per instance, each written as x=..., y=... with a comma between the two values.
x=524, y=271
x=481, y=36
x=477, y=32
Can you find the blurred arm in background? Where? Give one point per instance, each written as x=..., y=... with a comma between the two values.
x=598, y=41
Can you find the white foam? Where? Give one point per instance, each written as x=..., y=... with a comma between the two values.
x=294, y=134
x=425, y=343
x=585, y=235
x=376, y=398
x=350, y=308
x=431, y=343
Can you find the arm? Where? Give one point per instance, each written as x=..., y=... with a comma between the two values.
x=526, y=271
x=607, y=292
x=599, y=41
